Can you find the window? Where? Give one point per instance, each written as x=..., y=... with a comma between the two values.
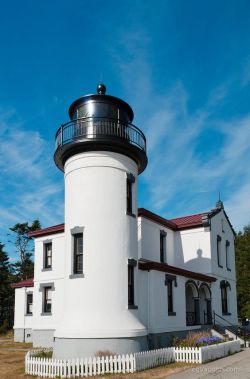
x=130, y=181
x=131, y=284
x=169, y=280
x=48, y=255
x=224, y=299
x=163, y=246
x=47, y=299
x=227, y=255
x=222, y=226
x=224, y=285
x=29, y=306
x=219, y=251
x=170, y=296
x=78, y=253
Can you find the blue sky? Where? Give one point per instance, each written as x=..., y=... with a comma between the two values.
x=184, y=67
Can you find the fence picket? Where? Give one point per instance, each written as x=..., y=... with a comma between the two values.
x=51, y=368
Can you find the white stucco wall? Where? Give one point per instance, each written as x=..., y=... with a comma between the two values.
x=226, y=235
x=222, y=273
x=54, y=276
x=96, y=305
x=192, y=250
x=149, y=241
x=21, y=319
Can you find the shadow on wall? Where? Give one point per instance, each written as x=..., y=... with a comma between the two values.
x=197, y=264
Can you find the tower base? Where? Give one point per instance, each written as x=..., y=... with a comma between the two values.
x=68, y=348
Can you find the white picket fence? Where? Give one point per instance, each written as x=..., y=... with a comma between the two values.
x=72, y=368
x=153, y=358
x=187, y=354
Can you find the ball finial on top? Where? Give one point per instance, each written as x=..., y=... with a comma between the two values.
x=101, y=89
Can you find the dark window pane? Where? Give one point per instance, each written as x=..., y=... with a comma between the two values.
x=47, y=299
x=130, y=285
x=219, y=250
x=162, y=248
x=78, y=253
x=48, y=255
x=29, y=303
x=170, y=296
x=224, y=299
x=129, y=196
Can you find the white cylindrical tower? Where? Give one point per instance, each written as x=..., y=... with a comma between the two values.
x=101, y=154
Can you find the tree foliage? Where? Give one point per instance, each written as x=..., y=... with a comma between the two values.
x=24, y=267
x=242, y=253
x=6, y=292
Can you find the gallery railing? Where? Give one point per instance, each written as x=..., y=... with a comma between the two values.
x=103, y=128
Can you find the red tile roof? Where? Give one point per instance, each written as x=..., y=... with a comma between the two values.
x=191, y=220
x=24, y=283
x=179, y=223
x=46, y=231
x=154, y=217
x=147, y=265
x=185, y=222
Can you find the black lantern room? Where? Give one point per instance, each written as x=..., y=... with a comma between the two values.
x=100, y=122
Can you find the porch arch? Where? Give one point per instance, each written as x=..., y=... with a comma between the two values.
x=192, y=303
x=205, y=303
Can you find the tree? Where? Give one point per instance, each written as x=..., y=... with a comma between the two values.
x=242, y=252
x=6, y=292
x=24, y=267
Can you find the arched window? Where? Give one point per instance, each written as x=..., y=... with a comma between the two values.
x=224, y=285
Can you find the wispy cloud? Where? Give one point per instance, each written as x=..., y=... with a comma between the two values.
x=192, y=154
x=28, y=190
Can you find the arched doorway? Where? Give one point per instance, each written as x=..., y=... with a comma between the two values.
x=192, y=303
x=205, y=304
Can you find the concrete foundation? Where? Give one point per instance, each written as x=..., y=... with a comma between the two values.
x=160, y=340
x=43, y=338
x=19, y=335
x=89, y=347
x=23, y=335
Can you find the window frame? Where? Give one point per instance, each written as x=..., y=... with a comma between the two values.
x=224, y=285
x=46, y=300
x=163, y=246
x=46, y=266
x=132, y=263
x=77, y=256
x=130, y=180
x=28, y=304
x=169, y=280
x=218, y=247
x=227, y=246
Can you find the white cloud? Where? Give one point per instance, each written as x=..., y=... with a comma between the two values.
x=178, y=179
x=27, y=190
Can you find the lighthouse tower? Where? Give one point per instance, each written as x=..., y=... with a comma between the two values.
x=101, y=154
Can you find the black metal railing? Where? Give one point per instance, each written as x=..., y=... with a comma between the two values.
x=88, y=128
x=207, y=318
x=221, y=322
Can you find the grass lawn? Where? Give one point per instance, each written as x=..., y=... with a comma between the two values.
x=12, y=363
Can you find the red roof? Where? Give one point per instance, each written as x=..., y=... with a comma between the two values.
x=185, y=222
x=147, y=265
x=46, y=231
x=24, y=283
x=154, y=217
x=189, y=221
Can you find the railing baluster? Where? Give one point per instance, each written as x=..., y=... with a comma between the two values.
x=94, y=126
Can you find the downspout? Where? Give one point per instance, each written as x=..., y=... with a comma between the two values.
x=148, y=324
x=24, y=312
